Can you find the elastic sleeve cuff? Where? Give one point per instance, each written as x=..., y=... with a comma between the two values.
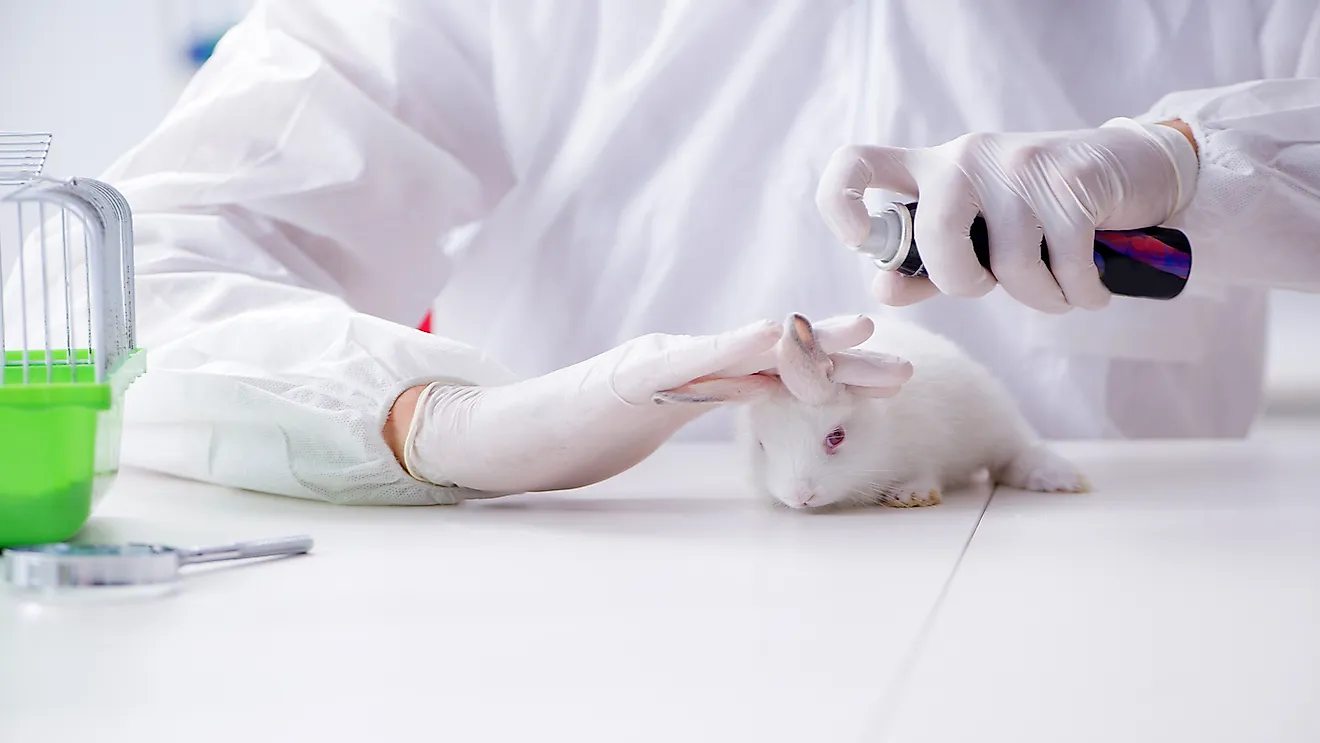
x=410, y=442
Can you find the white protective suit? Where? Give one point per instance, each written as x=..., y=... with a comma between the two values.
x=553, y=178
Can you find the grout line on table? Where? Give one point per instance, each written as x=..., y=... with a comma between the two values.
x=893, y=695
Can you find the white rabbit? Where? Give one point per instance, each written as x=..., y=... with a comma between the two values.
x=894, y=422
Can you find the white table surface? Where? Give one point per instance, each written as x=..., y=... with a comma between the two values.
x=1180, y=601
x=666, y=605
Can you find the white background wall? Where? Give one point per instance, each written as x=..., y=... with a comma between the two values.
x=100, y=74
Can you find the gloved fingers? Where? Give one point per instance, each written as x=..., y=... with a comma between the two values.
x=1158, y=163
x=714, y=391
x=833, y=334
x=865, y=368
x=942, y=230
x=682, y=359
x=850, y=171
x=896, y=290
x=842, y=331
x=1071, y=245
x=1015, y=257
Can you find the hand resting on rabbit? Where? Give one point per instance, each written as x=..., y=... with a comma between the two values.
x=895, y=422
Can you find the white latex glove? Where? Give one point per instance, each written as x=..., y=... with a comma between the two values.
x=1065, y=184
x=590, y=421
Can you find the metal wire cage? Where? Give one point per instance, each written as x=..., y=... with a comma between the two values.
x=67, y=340
x=22, y=156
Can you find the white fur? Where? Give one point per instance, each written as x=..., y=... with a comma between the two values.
x=950, y=421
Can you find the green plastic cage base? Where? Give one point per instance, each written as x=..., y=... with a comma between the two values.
x=59, y=442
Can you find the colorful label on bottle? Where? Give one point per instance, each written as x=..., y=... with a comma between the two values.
x=1147, y=249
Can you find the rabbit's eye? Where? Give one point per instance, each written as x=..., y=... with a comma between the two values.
x=834, y=439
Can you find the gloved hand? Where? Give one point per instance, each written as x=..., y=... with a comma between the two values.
x=592, y=420
x=1064, y=184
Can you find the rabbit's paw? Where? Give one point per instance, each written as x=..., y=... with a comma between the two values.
x=1041, y=469
x=912, y=494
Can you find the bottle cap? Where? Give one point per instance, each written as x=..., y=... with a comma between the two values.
x=890, y=237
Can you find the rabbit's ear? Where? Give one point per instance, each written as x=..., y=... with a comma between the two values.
x=724, y=389
x=804, y=366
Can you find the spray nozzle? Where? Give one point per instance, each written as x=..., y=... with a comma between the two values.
x=890, y=237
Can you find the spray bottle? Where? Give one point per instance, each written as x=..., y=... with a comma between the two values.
x=1152, y=262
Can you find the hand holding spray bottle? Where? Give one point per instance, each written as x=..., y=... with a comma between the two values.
x=1121, y=173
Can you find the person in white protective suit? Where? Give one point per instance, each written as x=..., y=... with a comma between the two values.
x=592, y=197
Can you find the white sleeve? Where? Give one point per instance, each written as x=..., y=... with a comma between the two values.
x=293, y=215
x=1255, y=216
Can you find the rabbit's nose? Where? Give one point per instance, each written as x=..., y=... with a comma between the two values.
x=805, y=495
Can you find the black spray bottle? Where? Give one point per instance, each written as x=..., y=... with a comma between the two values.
x=1153, y=262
